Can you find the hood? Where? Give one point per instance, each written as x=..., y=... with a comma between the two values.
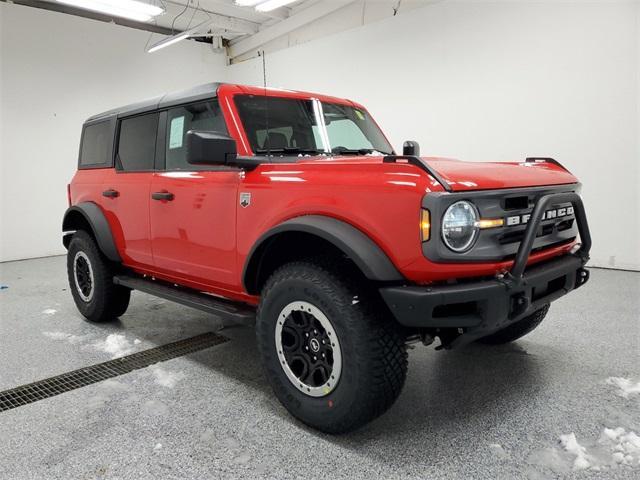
x=468, y=176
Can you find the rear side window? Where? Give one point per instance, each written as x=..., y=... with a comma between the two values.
x=97, y=143
x=198, y=116
x=137, y=143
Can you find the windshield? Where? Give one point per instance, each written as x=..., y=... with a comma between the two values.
x=305, y=126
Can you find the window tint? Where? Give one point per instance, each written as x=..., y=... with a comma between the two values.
x=97, y=141
x=199, y=116
x=284, y=134
x=296, y=126
x=291, y=124
x=137, y=143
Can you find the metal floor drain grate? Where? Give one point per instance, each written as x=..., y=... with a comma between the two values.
x=50, y=387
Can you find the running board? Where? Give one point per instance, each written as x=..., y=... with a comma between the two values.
x=238, y=312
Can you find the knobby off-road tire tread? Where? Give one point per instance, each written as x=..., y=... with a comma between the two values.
x=518, y=329
x=109, y=300
x=379, y=343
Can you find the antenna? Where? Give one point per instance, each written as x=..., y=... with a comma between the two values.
x=266, y=103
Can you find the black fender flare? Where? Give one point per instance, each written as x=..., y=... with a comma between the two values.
x=94, y=216
x=365, y=253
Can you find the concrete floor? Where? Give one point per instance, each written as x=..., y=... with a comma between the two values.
x=477, y=413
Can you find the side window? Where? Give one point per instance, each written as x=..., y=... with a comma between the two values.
x=198, y=116
x=97, y=142
x=137, y=143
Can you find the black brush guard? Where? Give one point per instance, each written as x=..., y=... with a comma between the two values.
x=479, y=308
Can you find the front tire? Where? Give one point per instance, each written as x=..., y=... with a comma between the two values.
x=333, y=357
x=516, y=330
x=91, y=281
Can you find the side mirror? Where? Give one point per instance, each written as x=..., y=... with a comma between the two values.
x=411, y=149
x=210, y=148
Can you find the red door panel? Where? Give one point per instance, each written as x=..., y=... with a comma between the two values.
x=194, y=233
x=128, y=215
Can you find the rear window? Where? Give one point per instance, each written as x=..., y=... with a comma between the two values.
x=137, y=143
x=97, y=141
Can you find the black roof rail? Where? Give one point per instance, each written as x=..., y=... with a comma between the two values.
x=194, y=94
x=421, y=164
x=548, y=160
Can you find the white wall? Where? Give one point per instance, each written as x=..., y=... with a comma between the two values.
x=473, y=80
x=57, y=70
x=499, y=81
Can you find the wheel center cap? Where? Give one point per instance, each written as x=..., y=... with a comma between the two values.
x=314, y=344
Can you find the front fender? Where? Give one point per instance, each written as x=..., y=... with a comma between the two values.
x=365, y=253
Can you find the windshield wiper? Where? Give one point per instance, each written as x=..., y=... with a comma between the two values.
x=359, y=151
x=290, y=151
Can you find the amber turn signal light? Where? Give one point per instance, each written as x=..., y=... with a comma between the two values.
x=425, y=224
x=490, y=223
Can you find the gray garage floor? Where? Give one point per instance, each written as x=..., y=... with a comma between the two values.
x=507, y=412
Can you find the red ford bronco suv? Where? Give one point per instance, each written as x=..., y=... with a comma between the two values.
x=293, y=209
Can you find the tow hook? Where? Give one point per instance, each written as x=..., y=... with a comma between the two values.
x=519, y=304
x=507, y=280
x=582, y=277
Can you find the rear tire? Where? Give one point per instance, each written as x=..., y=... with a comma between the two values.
x=91, y=281
x=365, y=365
x=516, y=330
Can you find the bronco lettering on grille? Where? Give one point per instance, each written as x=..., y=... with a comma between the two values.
x=549, y=214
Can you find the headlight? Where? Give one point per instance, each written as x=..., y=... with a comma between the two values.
x=459, y=226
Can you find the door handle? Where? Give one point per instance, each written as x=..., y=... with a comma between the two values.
x=162, y=196
x=111, y=193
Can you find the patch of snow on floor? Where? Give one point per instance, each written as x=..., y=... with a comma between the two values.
x=552, y=459
x=115, y=344
x=137, y=341
x=165, y=378
x=571, y=445
x=615, y=448
x=626, y=386
x=498, y=451
x=624, y=445
x=49, y=311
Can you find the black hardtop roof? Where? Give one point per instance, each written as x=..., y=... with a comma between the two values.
x=194, y=94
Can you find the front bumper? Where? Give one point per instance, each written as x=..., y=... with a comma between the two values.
x=482, y=307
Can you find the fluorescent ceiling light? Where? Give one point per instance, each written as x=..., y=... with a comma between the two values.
x=132, y=9
x=195, y=31
x=167, y=41
x=272, y=5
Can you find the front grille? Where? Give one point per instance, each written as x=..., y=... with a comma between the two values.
x=512, y=205
x=548, y=229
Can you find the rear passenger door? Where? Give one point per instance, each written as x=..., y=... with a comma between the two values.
x=126, y=188
x=193, y=208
